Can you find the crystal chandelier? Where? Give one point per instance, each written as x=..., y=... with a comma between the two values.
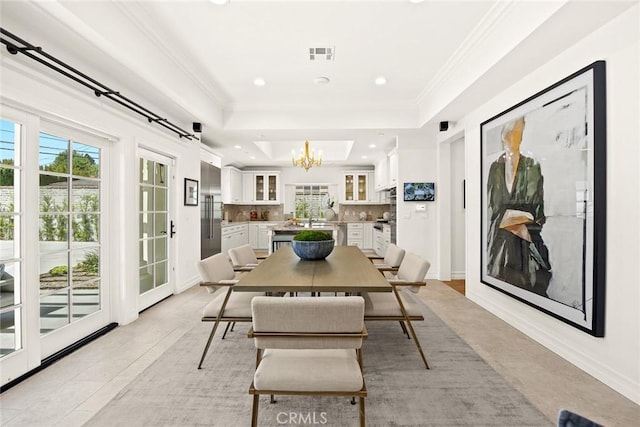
x=306, y=159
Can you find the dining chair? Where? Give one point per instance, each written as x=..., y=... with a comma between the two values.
x=400, y=305
x=308, y=346
x=219, y=277
x=391, y=260
x=243, y=258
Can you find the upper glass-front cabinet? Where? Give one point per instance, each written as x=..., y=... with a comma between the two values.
x=356, y=187
x=266, y=187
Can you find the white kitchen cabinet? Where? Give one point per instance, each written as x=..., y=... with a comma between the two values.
x=231, y=185
x=392, y=179
x=259, y=235
x=253, y=235
x=233, y=236
x=378, y=242
x=355, y=236
x=261, y=187
x=357, y=187
x=381, y=174
x=367, y=235
x=263, y=235
x=386, y=238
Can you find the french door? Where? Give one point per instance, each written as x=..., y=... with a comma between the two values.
x=156, y=228
x=53, y=257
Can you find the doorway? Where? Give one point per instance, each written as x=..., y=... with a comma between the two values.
x=156, y=228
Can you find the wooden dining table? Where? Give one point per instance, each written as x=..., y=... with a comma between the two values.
x=346, y=269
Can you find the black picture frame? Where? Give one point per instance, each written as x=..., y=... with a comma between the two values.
x=544, y=226
x=190, y=192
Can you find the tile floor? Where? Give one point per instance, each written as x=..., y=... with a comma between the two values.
x=72, y=390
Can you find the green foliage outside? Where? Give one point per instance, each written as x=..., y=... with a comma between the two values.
x=48, y=229
x=86, y=228
x=6, y=223
x=60, y=270
x=312, y=236
x=90, y=263
x=83, y=164
x=6, y=174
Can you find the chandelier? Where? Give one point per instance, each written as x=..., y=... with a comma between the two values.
x=306, y=159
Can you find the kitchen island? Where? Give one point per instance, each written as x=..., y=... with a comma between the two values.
x=282, y=234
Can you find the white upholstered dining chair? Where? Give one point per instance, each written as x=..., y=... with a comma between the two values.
x=400, y=305
x=227, y=306
x=308, y=346
x=392, y=258
x=243, y=258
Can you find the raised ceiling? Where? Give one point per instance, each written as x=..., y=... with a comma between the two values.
x=195, y=61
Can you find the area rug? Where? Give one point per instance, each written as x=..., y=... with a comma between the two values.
x=460, y=389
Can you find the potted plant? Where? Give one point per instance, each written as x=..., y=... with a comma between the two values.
x=312, y=244
x=329, y=213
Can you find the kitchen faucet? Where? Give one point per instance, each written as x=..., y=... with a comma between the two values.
x=310, y=217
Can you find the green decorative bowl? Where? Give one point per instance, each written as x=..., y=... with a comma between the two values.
x=312, y=244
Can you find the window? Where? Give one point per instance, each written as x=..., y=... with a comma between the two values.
x=311, y=200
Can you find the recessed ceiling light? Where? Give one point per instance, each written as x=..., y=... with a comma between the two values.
x=364, y=157
x=416, y=1
x=252, y=157
x=372, y=145
x=321, y=81
x=381, y=80
x=259, y=81
x=238, y=147
x=219, y=2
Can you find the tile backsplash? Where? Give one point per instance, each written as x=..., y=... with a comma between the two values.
x=344, y=212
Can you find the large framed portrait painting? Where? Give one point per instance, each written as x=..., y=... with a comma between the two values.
x=543, y=200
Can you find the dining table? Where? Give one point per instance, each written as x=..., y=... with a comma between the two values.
x=345, y=269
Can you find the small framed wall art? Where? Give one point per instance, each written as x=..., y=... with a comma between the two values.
x=190, y=192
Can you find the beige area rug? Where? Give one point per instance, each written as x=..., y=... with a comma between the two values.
x=460, y=389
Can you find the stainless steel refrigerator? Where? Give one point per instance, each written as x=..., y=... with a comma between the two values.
x=210, y=210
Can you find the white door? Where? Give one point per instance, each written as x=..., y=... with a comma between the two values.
x=53, y=200
x=156, y=228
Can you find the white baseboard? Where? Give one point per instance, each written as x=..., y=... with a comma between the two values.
x=617, y=381
x=187, y=284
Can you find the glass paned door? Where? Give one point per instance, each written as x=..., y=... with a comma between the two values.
x=155, y=229
x=69, y=231
x=11, y=306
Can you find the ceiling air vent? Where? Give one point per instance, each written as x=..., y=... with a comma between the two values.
x=321, y=53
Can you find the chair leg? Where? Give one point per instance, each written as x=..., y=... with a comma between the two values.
x=233, y=325
x=254, y=411
x=410, y=326
x=404, y=329
x=215, y=326
x=353, y=400
x=226, y=330
x=272, y=399
x=206, y=347
x=362, y=419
